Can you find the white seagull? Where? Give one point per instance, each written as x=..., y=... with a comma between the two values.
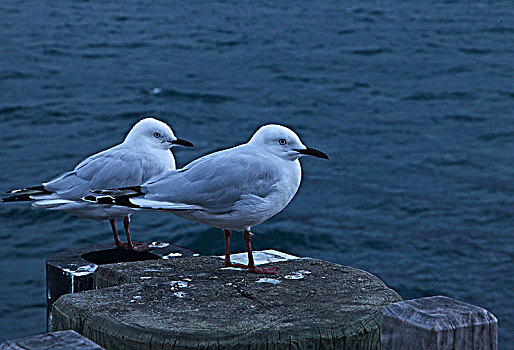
x=233, y=189
x=145, y=153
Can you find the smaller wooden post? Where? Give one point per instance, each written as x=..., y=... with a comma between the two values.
x=63, y=340
x=438, y=323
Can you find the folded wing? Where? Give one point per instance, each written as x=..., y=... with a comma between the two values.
x=214, y=183
x=113, y=168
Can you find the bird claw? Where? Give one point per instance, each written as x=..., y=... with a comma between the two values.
x=123, y=245
x=230, y=264
x=253, y=269
x=136, y=246
x=141, y=247
x=264, y=270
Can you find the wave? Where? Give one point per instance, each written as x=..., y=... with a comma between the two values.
x=193, y=96
x=429, y=96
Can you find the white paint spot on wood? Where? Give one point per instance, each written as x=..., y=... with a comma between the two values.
x=181, y=295
x=178, y=284
x=171, y=255
x=79, y=271
x=294, y=276
x=268, y=280
x=261, y=257
x=159, y=245
x=233, y=268
x=297, y=275
x=82, y=270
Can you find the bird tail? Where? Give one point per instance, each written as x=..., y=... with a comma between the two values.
x=133, y=197
x=25, y=194
x=122, y=191
x=117, y=196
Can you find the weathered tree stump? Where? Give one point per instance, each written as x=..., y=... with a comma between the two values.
x=194, y=303
x=71, y=271
x=438, y=323
x=64, y=340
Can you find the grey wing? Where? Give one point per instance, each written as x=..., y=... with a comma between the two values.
x=217, y=181
x=113, y=168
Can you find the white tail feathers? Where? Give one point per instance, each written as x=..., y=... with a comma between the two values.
x=151, y=204
x=50, y=203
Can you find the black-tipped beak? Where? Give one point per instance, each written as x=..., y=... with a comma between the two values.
x=179, y=142
x=312, y=152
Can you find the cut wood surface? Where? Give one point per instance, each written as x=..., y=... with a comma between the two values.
x=193, y=303
x=64, y=340
x=438, y=323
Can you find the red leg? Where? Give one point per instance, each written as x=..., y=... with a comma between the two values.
x=228, y=263
x=251, y=265
x=117, y=241
x=138, y=247
x=126, y=223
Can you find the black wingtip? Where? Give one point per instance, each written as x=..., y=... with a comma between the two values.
x=40, y=189
x=17, y=198
x=89, y=198
x=122, y=191
x=123, y=201
x=136, y=189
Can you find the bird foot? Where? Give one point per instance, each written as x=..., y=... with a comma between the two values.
x=141, y=247
x=264, y=270
x=136, y=246
x=123, y=245
x=230, y=264
x=253, y=269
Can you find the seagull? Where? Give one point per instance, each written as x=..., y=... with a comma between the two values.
x=145, y=153
x=232, y=189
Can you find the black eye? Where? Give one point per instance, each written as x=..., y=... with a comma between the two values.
x=282, y=141
x=156, y=135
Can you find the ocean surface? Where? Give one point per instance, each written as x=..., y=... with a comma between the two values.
x=413, y=102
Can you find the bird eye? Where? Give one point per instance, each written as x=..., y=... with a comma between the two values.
x=282, y=141
x=156, y=135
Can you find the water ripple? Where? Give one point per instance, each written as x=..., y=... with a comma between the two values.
x=194, y=96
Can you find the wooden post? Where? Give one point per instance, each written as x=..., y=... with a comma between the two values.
x=438, y=323
x=71, y=271
x=196, y=303
x=64, y=340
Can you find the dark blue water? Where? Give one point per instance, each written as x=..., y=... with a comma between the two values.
x=413, y=102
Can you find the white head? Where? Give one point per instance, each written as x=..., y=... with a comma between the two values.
x=282, y=142
x=155, y=134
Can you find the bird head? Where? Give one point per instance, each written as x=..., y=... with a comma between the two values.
x=155, y=134
x=283, y=142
